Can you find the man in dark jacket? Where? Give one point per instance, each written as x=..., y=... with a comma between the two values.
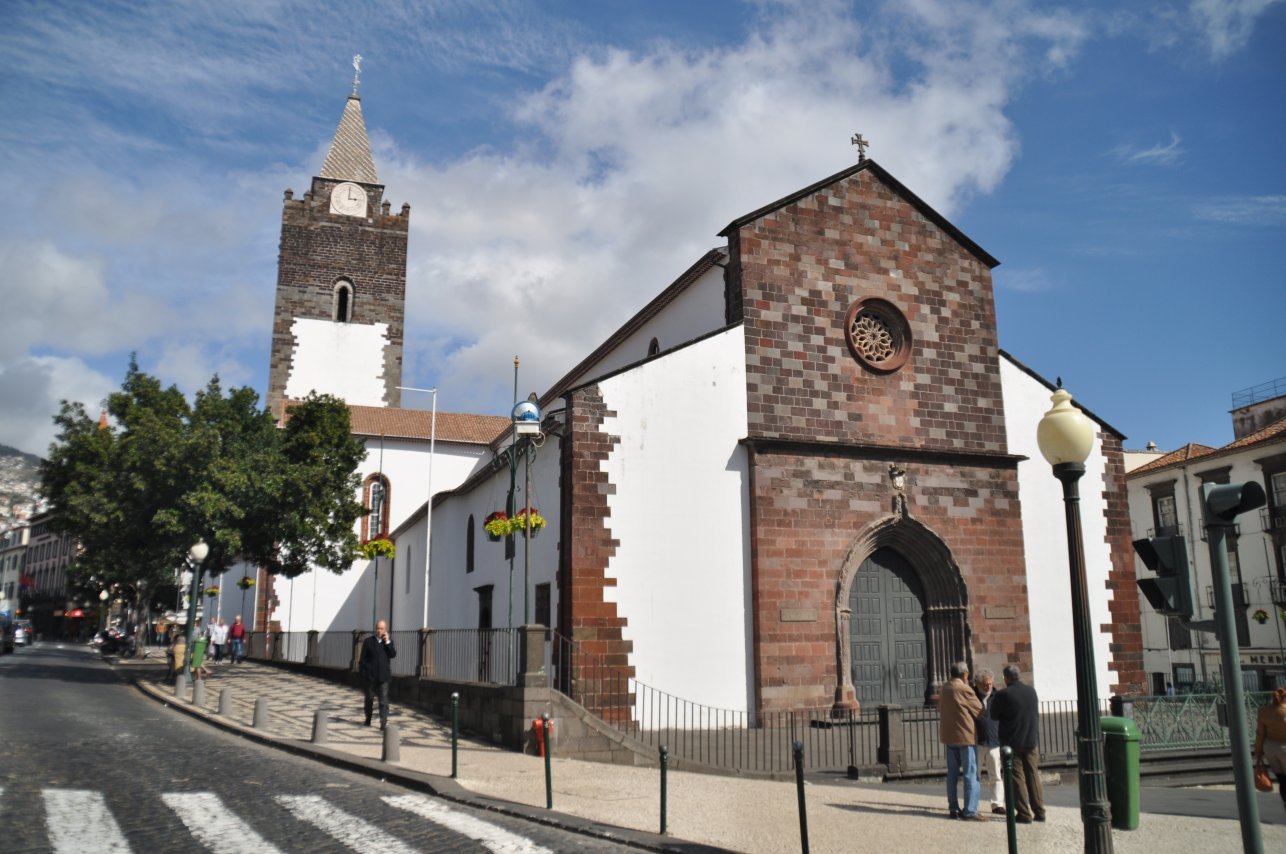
x=1017, y=713
x=988, y=748
x=376, y=672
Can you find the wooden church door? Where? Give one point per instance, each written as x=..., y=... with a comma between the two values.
x=889, y=654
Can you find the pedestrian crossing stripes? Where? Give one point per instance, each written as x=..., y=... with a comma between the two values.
x=214, y=827
x=78, y=820
x=496, y=839
x=349, y=829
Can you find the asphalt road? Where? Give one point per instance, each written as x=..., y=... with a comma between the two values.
x=89, y=764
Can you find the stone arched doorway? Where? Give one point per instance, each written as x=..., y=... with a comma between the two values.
x=897, y=574
x=888, y=655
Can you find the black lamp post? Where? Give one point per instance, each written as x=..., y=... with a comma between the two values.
x=197, y=554
x=1066, y=437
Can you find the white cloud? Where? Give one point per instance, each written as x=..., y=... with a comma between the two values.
x=1226, y=25
x=1244, y=210
x=1022, y=281
x=635, y=160
x=1161, y=154
x=31, y=390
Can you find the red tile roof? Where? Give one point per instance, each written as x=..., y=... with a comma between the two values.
x=416, y=423
x=1273, y=432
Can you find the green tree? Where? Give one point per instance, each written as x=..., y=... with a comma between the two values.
x=137, y=495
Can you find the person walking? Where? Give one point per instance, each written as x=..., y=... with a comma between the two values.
x=376, y=671
x=1270, y=738
x=237, y=639
x=1017, y=713
x=958, y=709
x=218, y=637
x=988, y=746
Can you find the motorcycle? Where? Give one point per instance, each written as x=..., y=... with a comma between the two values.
x=119, y=644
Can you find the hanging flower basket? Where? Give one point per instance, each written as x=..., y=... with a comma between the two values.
x=530, y=515
x=496, y=526
x=1260, y=616
x=211, y=592
x=381, y=547
x=246, y=583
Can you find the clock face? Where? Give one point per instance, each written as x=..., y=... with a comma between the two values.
x=348, y=199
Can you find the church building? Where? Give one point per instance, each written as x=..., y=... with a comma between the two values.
x=805, y=474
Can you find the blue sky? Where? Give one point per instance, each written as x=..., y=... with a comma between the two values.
x=566, y=160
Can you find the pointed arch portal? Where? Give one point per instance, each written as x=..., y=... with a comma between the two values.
x=901, y=615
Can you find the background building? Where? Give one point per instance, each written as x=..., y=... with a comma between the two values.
x=1165, y=500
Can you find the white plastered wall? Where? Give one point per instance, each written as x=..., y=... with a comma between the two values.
x=1045, y=545
x=342, y=359
x=678, y=510
x=325, y=601
x=453, y=596
x=695, y=312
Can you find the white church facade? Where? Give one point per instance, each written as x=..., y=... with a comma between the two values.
x=804, y=475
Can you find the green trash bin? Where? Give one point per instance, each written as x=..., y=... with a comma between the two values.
x=1121, y=764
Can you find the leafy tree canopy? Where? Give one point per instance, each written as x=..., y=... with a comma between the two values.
x=138, y=494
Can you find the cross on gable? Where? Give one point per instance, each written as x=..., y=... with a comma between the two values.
x=861, y=146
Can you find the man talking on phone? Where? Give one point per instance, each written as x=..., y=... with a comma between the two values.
x=376, y=672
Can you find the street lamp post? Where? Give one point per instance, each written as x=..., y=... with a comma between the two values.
x=428, y=509
x=197, y=553
x=1066, y=436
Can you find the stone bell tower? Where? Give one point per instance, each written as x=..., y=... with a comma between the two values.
x=341, y=281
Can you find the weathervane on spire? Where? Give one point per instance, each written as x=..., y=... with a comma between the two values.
x=357, y=73
x=861, y=146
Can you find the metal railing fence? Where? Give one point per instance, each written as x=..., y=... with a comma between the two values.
x=1189, y=721
x=490, y=656
x=293, y=646
x=407, y=645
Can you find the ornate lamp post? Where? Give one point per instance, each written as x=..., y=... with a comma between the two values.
x=197, y=554
x=1066, y=437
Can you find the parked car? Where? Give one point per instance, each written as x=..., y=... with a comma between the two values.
x=22, y=635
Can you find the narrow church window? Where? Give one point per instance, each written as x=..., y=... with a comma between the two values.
x=468, y=546
x=878, y=335
x=376, y=502
x=343, y=306
x=653, y=347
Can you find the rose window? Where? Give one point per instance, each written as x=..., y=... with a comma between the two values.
x=878, y=334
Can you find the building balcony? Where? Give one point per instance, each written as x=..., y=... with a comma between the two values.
x=1273, y=520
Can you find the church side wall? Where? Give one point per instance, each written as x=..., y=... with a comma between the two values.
x=1045, y=537
x=328, y=602
x=695, y=312
x=679, y=575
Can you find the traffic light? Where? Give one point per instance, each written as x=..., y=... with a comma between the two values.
x=1226, y=502
x=1170, y=593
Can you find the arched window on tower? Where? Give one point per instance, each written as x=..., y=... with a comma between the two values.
x=468, y=546
x=653, y=347
x=342, y=311
x=375, y=499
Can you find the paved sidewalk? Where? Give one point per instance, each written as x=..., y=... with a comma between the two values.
x=623, y=802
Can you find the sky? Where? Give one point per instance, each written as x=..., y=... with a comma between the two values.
x=565, y=161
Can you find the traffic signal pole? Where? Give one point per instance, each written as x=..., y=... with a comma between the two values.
x=1221, y=505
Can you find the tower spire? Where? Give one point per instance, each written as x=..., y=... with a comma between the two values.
x=349, y=157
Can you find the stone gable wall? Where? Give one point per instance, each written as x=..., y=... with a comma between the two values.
x=800, y=267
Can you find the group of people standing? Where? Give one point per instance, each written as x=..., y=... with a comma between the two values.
x=975, y=722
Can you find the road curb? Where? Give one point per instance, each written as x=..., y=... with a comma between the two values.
x=433, y=784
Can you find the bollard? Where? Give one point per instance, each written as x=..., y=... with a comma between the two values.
x=179, y=692
x=1007, y=772
x=455, y=730
x=549, y=784
x=261, y=713
x=198, y=693
x=320, y=736
x=392, y=753
x=799, y=787
x=225, y=702
x=665, y=762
